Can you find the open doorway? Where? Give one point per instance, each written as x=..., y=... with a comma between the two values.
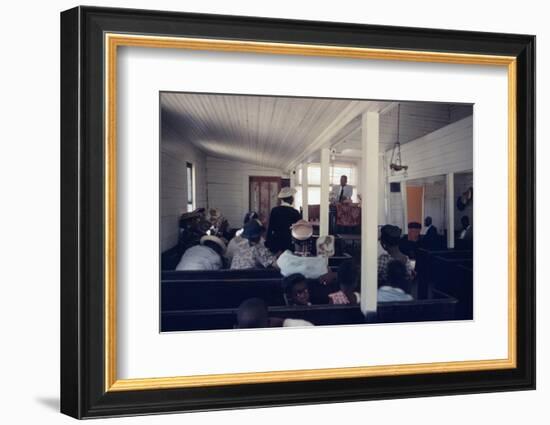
x=426, y=198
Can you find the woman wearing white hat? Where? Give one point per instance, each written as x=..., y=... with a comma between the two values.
x=281, y=218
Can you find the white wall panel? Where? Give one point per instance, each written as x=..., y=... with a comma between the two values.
x=227, y=183
x=449, y=149
x=175, y=153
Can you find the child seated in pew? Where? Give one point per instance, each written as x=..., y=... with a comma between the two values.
x=347, y=279
x=396, y=287
x=253, y=314
x=296, y=290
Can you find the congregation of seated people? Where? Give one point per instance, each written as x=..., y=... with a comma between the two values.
x=306, y=279
x=303, y=273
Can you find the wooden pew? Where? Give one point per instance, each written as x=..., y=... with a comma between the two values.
x=455, y=277
x=186, y=320
x=226, y=274
x=424, y=266
x=171, y=258
x=321, y=315
x=441, y=307
x=218, y=293
x=335, y=261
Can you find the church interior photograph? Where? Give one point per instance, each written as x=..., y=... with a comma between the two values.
x=304, y=211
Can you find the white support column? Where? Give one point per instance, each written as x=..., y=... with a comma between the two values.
x=369, y=211
x=450, y=210
x=405, y=206
x=305, y=201
x=325, y=187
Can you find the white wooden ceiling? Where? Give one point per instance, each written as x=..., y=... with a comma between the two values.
x=275, y=131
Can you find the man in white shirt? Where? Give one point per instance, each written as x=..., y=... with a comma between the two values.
x=467, y=231
x=342, y=192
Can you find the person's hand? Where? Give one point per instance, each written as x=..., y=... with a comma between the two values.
x=276, y=322
x=328, y=278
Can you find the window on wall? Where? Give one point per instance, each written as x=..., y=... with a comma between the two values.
x=190, y=187
x=337, y=170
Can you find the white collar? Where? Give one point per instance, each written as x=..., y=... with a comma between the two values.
x=391, y=288
x=466, y=229
x=286, y=204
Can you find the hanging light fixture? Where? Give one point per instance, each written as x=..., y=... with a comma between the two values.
x=396, y=165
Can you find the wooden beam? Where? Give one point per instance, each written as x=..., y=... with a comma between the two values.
x=450, y=210
x=370, y=137
x=305, y=197
x=351, y=111
x=325, y=187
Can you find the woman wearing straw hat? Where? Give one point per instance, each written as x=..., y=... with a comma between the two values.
x=281, y=218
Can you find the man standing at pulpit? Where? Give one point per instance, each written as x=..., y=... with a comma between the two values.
x=342, y=192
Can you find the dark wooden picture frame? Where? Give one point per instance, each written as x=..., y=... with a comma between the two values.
x=88, y=379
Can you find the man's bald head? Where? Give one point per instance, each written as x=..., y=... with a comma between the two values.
x=252, y=313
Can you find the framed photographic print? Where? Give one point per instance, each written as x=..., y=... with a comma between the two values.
x=261, y=212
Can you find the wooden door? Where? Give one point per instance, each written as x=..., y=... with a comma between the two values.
x=263, y=195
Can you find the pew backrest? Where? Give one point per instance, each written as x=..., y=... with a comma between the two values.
x=187, y=320
x=442, y=307
x=212, y=293
x=425, y=266
x=225, y=274
x=455, y=277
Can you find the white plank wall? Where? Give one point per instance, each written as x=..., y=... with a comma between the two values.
x=415, y=120
x=447, y=150
x=175, y=153
x=227, y=183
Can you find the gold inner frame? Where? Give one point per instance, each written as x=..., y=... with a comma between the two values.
x=113, y=41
